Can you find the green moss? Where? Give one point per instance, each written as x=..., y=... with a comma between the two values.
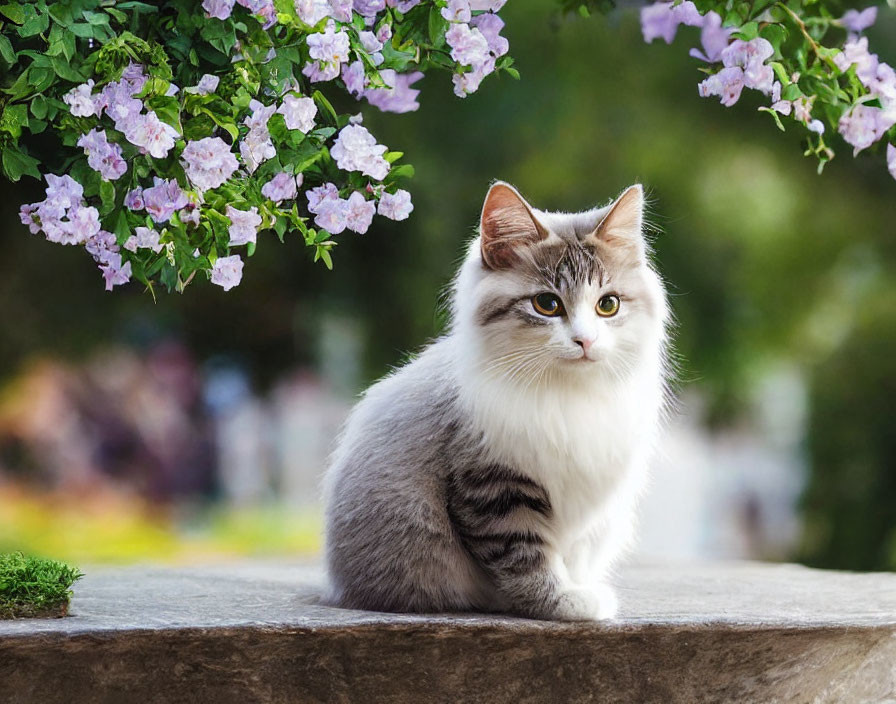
x=33, y=587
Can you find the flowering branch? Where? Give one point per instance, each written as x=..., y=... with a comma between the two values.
x=183, y=131
x=845, y=87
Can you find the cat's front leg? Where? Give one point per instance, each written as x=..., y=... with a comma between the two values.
x=501, y=517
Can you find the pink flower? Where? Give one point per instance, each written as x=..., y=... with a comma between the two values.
x=397, y=206
x=298, y=113
x=858, y=21
x=359, y=212
x=243, y=225
x=283, y=186
x=355, y=149
x=727, y=84
x=227, y=272
x=208, y=162
x=163, y=199
x=399, y=97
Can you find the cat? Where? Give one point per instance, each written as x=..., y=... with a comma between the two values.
x=500, y=469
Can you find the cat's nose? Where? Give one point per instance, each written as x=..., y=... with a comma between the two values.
x=584, y=342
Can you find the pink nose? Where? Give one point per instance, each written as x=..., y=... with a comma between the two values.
x=584, y=342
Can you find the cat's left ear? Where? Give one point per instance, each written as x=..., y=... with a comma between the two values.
x=621, y=227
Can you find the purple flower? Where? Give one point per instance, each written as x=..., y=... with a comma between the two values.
x=103, y=156
x=256, y=148
x=891, y=160
x=151, y=134
x=727, y=84
x=863, y=126
x=486, y=5
x=491, y=25
x=298, y=113
x=133, y=200
x=101, y=245
x=312, y=11
x=190, y=215
x=341, y=10
x=329, y=46
x=404, y=5
x=370, y=8
x=359, y=212
x=163, y=199
x=261, y=113
x=372, y=45
x=114, y=272
x=858, y=21
x=207, y=84
x=227, y=272
x=397, y=206
x=144, y=238
x=283, y=186
x=457, y=11
x=317, y=196
x=355, y=149
x=84, y=222
x=243, y=225
x=384, y=33
x=354, y=78
x=332, y=215
x=751, y=57
x=399, y=97
x=468, y=45
x=208, y=162
x=713, y=37
x=662, y=19
x=219, y=9
x=27, y=216
x=80, y=100
x=120, y=105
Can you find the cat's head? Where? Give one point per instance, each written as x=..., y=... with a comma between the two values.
x=571, y=293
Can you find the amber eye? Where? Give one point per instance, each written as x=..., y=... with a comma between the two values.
x=547, y=304
x=608, y=306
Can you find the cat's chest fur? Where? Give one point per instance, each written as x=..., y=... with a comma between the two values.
x=582, y=442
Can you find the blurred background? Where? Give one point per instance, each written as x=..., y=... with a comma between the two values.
x=196, y=428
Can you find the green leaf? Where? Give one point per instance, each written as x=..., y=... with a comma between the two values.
x=14, y=12
x=39, y=107
x=17, y=164
x=438, y=25
x=35, y=25
x=107, y=196
x=6, y=50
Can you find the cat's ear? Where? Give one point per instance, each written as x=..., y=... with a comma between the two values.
x=621, y=227
x=507, y=222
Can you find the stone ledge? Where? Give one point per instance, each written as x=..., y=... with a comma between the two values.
x=722, y=632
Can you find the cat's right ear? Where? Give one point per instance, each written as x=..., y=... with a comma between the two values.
x=507, y=222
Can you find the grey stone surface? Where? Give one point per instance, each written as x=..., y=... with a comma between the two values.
x=722, y=632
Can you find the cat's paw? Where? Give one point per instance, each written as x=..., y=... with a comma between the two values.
x=595, y=603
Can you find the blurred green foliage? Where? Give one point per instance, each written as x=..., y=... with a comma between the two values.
x=764, y=258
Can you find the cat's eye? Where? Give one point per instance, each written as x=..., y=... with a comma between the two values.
x=548, y=304
x=608, y=306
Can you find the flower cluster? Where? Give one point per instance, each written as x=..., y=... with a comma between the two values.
x=190, y=151
x=857, y=89
x=476, y=42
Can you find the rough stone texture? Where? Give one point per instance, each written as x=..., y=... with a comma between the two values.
x=731, y=632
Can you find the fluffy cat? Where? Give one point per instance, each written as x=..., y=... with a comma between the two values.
x=499, y=470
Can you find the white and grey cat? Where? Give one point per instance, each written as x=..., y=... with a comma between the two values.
x=499, y=470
